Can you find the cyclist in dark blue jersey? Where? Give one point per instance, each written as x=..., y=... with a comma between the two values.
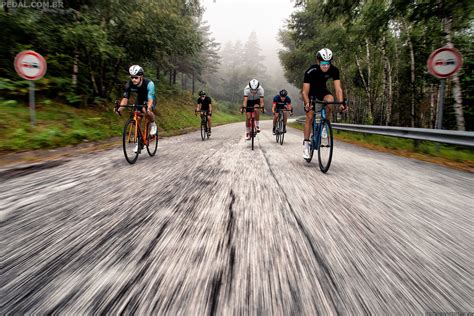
x=314, y=86
x=281, y=101
x=145, y=94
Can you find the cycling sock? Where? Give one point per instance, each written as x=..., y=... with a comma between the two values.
x=258, y=123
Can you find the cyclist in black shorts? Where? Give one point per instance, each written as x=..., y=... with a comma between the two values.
x=145, y=94
x=314, y=85
x=204, y=103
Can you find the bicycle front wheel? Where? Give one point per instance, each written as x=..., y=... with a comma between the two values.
x=325, y=147
x=282, y=131
x=203, y=130
x=253, y=132
x=152, y=142
x=131, y=141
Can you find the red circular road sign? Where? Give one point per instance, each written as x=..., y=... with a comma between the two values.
x=30, y=65
x=444, y=62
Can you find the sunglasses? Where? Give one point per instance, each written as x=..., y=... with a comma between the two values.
x=134, y=77
x=325, y=63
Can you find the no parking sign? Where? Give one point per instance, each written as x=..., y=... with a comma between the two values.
x=30, y=66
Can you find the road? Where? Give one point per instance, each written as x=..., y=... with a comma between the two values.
x=214, y=228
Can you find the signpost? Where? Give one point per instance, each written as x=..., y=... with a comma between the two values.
x=443, y=63
x=31, y=66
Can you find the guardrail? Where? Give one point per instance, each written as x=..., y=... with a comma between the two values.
x=433, y=135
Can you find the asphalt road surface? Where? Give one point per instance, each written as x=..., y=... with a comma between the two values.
x=214, y=228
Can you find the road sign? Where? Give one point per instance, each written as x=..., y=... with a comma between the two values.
x=444, y=62
x=30, y=65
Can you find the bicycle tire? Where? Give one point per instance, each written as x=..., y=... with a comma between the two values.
x=203, y=130
x=252, y=131
x=325, y=147
x=282, y=135
x=152, y=146
x=129, y=141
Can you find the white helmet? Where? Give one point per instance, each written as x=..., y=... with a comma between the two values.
x=324, y=54
x=135, y=70
x=254, y=84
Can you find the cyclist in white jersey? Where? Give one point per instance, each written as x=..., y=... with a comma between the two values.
x=253, y=96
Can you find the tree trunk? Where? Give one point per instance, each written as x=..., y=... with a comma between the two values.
x=75, y=69
x=432, y=106
x=367, y=91
x=116, y=70
x=412, y=81
x=369, y=74
x=171, y=76
x=457, y=93
x=397, y=85
x=174, y=76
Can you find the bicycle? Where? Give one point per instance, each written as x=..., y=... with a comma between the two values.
x=321, y=136
x=280, y=126
x=253, y=129
x=133, y=135
x=204, y=124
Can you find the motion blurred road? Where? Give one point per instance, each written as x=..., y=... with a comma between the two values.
x=214, y=228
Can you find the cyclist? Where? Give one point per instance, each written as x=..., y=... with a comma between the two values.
x=253, y=96
x=145, y=89
x=281, y=101
x=314, y=86
x=204, y=103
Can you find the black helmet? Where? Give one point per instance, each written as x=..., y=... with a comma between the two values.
x=201, y=93
x=283, y=93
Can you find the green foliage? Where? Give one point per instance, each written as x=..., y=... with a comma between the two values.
x=379, y=35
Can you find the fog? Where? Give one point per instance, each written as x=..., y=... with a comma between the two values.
x=232, y=20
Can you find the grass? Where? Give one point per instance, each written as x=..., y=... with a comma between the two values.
x=454, y=156
x=59, y=125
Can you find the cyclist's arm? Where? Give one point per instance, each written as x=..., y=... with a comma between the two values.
x=244, y=104
x=306, y=87
x=126, y=94
x=273, y=106
x=338, y=89
x=151, y=95
x=210, y=105
x=262, y=93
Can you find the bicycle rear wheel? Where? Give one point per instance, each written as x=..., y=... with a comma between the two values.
x=130, y=140
x=326, y=146
x=152, y=142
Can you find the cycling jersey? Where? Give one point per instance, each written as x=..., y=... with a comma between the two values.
x=251, y=96
x=145, y=91
x=280, y=104
x=317, y=80
x=204, y=103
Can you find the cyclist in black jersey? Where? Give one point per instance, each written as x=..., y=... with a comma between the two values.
x=204, y=103
x=314, y=86
x=145, y=94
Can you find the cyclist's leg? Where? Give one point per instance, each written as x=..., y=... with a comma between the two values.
x=209, y=121
x=257, y=117
x=285, y=118
x=329, y=98
x=275, y=118
x=247, y=121
x=308, y=124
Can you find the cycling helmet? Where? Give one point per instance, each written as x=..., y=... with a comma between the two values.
x=254, y=84
x=201, y=93
x=135, y=70
x=283, y=93
x=324, y=54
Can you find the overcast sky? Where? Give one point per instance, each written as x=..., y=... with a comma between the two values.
x=232, y=20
